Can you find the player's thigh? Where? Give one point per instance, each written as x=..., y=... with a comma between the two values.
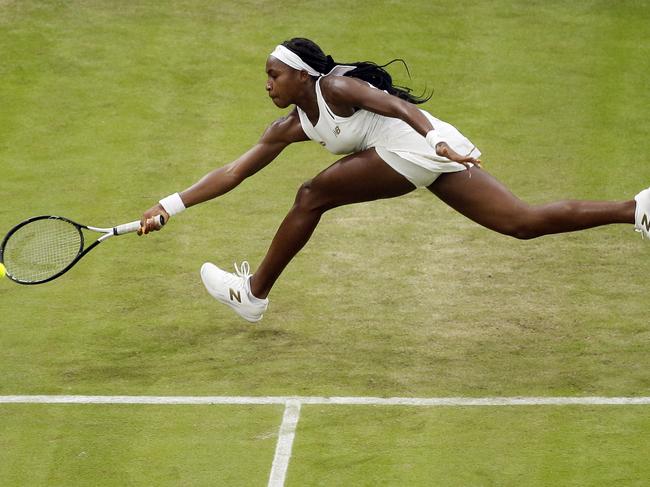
x=363, y=176
x=481, y=198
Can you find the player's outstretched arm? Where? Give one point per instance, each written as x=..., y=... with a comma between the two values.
x=282, y=132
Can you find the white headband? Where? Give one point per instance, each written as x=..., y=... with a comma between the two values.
x=291, y=59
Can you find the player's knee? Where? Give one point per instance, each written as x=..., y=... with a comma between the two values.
x=310, y=198
x=525, y=227
x=523, y=232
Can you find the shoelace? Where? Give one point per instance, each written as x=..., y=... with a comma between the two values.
x=245, y=270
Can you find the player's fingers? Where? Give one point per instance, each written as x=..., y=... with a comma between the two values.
x=143, y=226
x=153, y=223
x=150, y=226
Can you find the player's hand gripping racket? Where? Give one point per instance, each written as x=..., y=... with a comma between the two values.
x=43, y=248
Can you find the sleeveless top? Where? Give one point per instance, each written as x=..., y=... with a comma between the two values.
x=365, y=129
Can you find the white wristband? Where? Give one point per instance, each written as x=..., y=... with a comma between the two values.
x=172, y=204
x=433, y=138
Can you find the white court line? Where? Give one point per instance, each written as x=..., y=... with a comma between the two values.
x=285, y=443
x=349, y=401
x=293, y=404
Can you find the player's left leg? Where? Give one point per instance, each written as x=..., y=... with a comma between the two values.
x=485, y=200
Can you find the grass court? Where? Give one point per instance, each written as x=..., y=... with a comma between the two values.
x=107, y=106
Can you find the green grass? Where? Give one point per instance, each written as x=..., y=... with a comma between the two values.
x=133, y=445
x=335, y=445
x=105, y=106
x=549, y=446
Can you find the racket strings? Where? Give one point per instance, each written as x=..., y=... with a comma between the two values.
x=41, y=249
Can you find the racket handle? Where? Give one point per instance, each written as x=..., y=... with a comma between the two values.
x=135, y=226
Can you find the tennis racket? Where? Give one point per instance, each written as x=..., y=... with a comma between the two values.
x=43, y=248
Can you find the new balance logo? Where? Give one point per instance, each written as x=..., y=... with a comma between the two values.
x=235, y=295
x=645, y=221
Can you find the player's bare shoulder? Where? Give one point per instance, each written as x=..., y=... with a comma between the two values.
x=343, y=92
x=334, y=84
x=285, y=130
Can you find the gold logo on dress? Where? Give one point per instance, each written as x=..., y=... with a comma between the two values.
x=337, y=130
x=235, y=295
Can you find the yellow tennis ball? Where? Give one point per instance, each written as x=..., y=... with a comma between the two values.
x=3, y=271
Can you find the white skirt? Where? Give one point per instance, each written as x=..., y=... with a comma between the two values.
x=408, y=153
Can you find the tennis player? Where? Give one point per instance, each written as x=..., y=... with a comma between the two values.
x=392, y=147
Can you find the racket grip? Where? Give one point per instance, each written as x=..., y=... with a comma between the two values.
x=135, y=226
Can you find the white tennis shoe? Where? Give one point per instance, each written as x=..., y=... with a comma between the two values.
x=234, y=290
x=642, y=213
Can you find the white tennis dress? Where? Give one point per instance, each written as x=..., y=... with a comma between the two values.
x=395, y=141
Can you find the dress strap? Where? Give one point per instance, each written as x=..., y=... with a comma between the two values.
x=322, y=104
x=307, y=127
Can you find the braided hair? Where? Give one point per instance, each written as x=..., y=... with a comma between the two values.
x=368, y=71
